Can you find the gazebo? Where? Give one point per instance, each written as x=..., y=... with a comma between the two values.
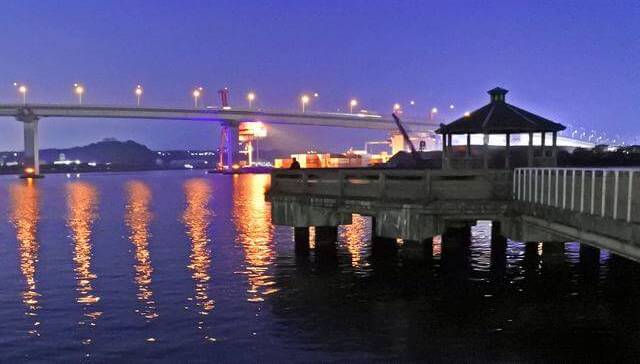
x=500, y=117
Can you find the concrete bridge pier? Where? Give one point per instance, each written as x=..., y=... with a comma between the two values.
x=230, y=135
x=326, y=237
x=414, y=250
x=31, y=156
x=301, y=239
x=455, y=248
x=498, y=249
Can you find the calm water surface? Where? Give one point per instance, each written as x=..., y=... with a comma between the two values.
x=186, y=266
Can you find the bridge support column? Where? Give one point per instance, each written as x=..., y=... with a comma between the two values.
x=498, y=248
x=230, y=141
x=301, y=238
x=455, y=249
x=326, y=237
x=414, y=250
x=31, y=156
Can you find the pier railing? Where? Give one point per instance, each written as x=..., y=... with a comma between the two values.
x=392, y=184
x=610, y=193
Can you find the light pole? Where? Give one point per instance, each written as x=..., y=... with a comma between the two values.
x=353, y=103
x=79, y=90
x=250, y=97
x=304, y=100
x=196, y=94
x=22, y=91
x=138, y=91
x=434, y=112
x=397, y=107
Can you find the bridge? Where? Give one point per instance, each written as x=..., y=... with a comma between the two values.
x=229, y=118
x=599, y=207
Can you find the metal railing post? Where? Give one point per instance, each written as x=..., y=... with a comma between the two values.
x=604, y=191
x=582, y=192
x=573, y=188
x=615, y=195
x=535, y=186
x=557, y=178
x=564, y=189
x=629, y=196
x=593, y=190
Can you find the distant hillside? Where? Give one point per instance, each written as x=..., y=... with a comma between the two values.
x=107, y=151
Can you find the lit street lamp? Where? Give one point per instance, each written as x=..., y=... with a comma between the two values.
x=79, y=90
x=304, y=100
x=353, y=103
x=250, y=97
x=196, y=94
x=396, y=107
x=434, y=112
x=22, y=91
x=138, y=91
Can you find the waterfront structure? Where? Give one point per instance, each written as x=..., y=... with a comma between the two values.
x=599, y=207
x=500, y=117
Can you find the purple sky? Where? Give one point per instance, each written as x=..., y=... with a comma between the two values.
x=576, y=62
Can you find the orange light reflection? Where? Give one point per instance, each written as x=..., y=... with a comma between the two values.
x=25, y=214
x=252, y=217
x=82, y=199
x=138, y=218
x=196, y=218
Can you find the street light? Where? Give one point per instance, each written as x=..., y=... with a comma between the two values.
x=396, y=107
x=196, y=94
x=451, y=107
x=353, y=103
x=138, y=91
x=22, y=90
x=79, y=90
x=250, y=97
x=412, y=102
x=304, y=100
x=434, y=112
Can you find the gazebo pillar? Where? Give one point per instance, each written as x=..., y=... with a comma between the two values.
x=507, y=156
x=485, y=151
x=468, y=151
x=543, y=136
x=530, y=151
x=554, y=149
x=444, y=150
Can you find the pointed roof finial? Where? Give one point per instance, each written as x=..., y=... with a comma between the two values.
x=497, y=94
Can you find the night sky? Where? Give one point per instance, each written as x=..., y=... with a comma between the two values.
x=576, y=62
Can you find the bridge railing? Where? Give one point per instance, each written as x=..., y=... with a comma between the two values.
x=408, y=186
x=610, y=193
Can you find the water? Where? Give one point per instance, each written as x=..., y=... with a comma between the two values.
x=186, y=266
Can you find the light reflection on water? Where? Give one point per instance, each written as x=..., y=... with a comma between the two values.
x=137, y=219
x=531, y=302
x=252, y=219
x=82, y=198
x=197, y=218
x=25, y=213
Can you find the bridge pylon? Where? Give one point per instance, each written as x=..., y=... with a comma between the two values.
x=31, y=156
x=230, y=139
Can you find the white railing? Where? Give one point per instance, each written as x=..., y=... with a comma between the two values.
x=597, y=191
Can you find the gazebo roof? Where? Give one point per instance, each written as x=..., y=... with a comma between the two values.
x=499, y=117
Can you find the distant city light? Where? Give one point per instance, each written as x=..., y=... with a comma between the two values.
x=467, y=114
